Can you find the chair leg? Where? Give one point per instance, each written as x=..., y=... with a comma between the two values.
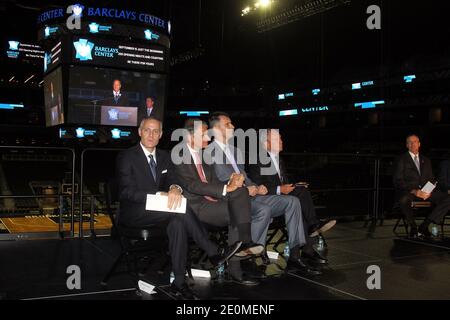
x=394, y=230
x=405, y=225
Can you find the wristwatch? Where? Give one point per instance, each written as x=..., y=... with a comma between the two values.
x=176, y=186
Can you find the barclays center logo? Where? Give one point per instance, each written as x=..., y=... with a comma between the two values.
x=14, y=45
x=83, y=48
x=113, y=114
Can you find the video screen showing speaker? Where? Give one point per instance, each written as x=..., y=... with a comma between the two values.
x=114, y=97
x=53, y=96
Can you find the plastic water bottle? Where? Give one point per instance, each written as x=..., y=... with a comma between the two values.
x=320, y=243
x=286, y=251
x=172, y=277
x=220, y=271
x=434, y=230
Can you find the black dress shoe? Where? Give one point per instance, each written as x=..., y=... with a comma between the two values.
x=414, y=233
x=250, y=249
x=256, y=274
x=265, y=259
x=321, y=227
x=424, y=230
x=243, y=280
x=314, y=257
x=299, y=265
x=183, y=293
x=253, y=271
x=225, y=254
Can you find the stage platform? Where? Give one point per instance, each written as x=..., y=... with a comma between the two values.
x=409, y=270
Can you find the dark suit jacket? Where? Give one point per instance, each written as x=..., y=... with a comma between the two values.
x=135, y=181
x=193, y=188
x=122, y=102
x=406, y=177
x=271, y=181
x=156, y=112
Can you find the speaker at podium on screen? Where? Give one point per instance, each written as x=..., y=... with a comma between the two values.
x=117, y=97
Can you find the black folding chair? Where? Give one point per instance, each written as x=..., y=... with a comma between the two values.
x=134, y=242
x=417, y=206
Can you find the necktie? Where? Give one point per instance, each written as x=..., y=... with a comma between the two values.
x=116, y=98
x=283, y=177
x=149, y=111
x=152, y=164
x=416, y=161
x=279, y=168
x=232, y=160
x=201, y=174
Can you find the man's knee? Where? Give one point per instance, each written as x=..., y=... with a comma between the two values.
x=262, y=212
x=405, y=201
x=238, y=193
x=292, y=201
x=176, y=224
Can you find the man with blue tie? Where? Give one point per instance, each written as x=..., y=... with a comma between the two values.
x=412, y=172
x=145, y=169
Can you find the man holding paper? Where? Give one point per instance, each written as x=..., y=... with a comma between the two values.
x=145, y=169
x=214, y=202
x=413, y=180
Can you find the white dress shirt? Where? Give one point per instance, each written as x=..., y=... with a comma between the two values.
x=275, y=162
x=153, y=153
x=147, y=153
x=196, y=158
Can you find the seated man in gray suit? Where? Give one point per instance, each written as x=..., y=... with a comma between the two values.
x=227, y=160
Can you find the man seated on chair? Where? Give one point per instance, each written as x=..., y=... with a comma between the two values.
x=273, y=175
x=412, y=172
x=145, y=169
x=214, y=202
x=227, y=160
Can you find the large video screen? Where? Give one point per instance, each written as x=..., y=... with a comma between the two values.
x=100, y=52
x=53, y=96
x=114, y=97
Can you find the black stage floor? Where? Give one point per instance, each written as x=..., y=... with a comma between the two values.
x=36, y=269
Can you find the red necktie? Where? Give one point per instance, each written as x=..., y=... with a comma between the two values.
x=201, y=174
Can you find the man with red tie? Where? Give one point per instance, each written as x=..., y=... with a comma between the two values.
x=214, y=202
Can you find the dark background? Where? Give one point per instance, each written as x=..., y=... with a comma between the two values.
x=221, y=62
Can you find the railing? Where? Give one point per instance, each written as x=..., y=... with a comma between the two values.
x=72, y=151
x=82, y=167
x=349, y=184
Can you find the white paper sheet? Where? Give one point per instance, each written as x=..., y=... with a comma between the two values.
x=428, y=187
x=157, y=202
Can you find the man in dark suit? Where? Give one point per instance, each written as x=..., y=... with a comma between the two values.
x=273, y=175
x=144, y=169
x=412, y=172
x=117, y=98
x=150, y=110
x=214, y=202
